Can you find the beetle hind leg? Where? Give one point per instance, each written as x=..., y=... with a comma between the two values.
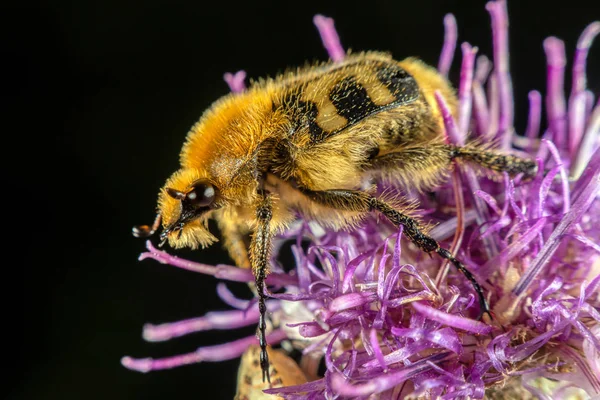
x=352, y=200
x=427, y=166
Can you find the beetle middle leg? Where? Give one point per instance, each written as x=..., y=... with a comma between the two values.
x=352, y=200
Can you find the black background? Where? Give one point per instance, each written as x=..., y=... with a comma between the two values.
x=98, y=97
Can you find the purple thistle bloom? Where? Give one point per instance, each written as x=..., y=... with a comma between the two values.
x=387, y=320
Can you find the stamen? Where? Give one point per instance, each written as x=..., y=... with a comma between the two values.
x=563, y=174
x=453, y=137
x=221, y=352
x=584, y=199
x=449, y=46
x=221, y=271
x=579, y=60
x=236, y=81
x=499, y=15
x=212, y=320
x=330, y=38
x=534, y=117
x=453, y=320
x=465, y=91
x=555, y=100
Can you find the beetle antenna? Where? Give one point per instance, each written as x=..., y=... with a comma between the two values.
x=144, y=231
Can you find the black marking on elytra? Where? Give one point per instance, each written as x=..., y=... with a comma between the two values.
x=303, y=114
x=348, y=96
x=351, y=100
x=399, y=82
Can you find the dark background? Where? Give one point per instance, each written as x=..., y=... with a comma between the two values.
x=98, y=97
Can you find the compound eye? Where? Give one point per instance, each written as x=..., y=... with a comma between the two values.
x=202, y=194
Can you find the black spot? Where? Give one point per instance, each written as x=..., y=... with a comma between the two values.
x=351, y=100
x=303, y=114
x=399, y=82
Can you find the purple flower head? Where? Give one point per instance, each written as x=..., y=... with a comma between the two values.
x=387, y=320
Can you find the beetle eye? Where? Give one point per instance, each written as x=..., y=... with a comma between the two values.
x=202, y=194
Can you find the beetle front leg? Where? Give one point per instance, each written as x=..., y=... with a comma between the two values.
x=260, y=248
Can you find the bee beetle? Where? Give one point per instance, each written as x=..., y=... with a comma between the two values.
x=304, y=143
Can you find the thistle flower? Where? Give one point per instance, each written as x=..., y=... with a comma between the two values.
x=390, y=322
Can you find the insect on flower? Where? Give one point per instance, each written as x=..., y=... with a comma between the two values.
x=306, y=144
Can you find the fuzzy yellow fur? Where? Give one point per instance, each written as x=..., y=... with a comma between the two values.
x=429, y=81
